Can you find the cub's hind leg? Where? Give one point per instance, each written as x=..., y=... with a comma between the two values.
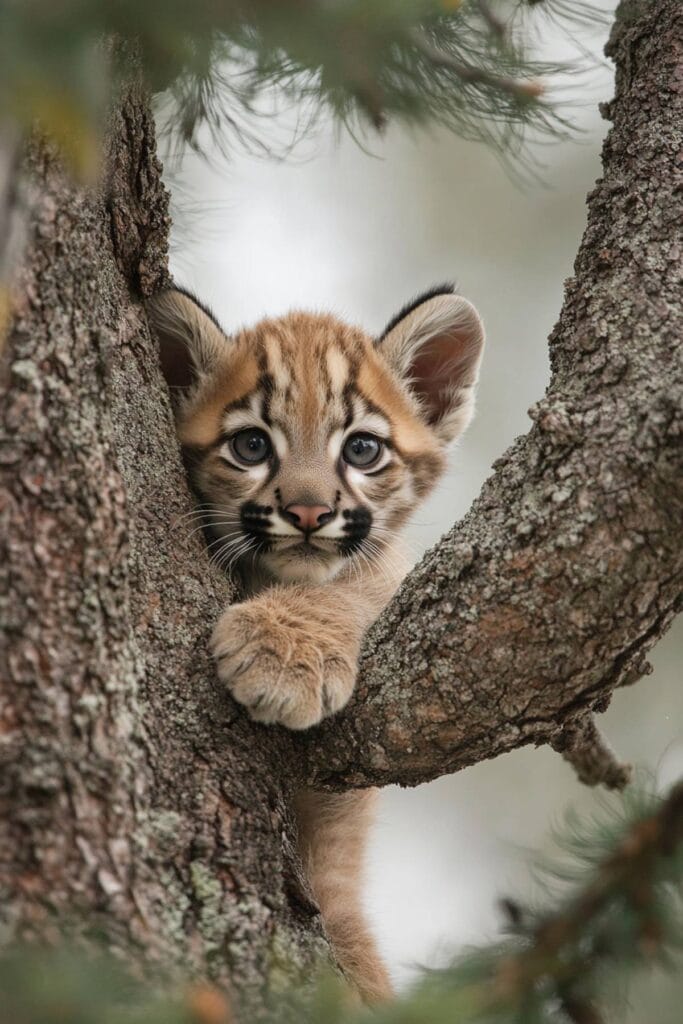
x=333, y=831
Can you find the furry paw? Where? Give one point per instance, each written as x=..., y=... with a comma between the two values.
x=284, y=666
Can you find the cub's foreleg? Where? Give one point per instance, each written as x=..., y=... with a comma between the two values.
x=290, y=654
x=333, y=831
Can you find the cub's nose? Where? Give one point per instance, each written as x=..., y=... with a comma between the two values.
x=308, y=517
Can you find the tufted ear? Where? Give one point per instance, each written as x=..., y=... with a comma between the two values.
x=435, y=345
x=191, y=342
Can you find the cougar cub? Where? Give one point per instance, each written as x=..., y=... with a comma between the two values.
x=311, y=445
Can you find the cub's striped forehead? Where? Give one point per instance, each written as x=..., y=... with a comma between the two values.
x=305, y=375
x=308, y=367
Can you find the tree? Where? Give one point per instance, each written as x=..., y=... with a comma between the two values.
x=138, y=801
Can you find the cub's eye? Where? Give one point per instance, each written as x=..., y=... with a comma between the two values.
x=362, y=450
x=251, y=446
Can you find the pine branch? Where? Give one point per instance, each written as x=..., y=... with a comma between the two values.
x=454, y=64
x=497, y=26
x=564, y=946
x=521, y=90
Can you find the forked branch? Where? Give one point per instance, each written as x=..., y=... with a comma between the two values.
x=568, y=568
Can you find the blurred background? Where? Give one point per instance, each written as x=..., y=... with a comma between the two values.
x=360, y=229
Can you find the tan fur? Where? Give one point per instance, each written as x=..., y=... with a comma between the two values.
x=200, y=426
x=376, y=383
x=333, y=829
x=288, y=653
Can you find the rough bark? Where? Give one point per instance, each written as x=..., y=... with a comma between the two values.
x=569, y=566
x=135, y=799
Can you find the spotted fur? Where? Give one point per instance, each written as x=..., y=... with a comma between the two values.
x=313, y=533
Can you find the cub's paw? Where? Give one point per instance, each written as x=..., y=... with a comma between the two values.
x=281, y=666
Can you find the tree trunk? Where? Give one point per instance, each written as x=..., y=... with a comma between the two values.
x=137, y=801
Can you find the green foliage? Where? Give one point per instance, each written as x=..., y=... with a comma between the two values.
x=60, y=987
x=458, y=63
x=612, y=906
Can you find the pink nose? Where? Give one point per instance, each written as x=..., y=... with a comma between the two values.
x=309, y=517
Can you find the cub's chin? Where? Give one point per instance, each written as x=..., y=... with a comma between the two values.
x=302, y=564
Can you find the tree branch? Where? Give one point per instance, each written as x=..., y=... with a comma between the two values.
x=582, y=744
x=568, y=568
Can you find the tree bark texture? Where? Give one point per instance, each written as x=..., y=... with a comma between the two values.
x=569, y=566
x=136, y=800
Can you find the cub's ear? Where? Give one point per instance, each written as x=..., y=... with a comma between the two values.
x=435, y=345
x=191, y=342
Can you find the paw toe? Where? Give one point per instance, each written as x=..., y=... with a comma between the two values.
x=338, y=684
x=255, y=677
x=232, y=664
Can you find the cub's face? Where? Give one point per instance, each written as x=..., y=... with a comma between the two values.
x=309, y=443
